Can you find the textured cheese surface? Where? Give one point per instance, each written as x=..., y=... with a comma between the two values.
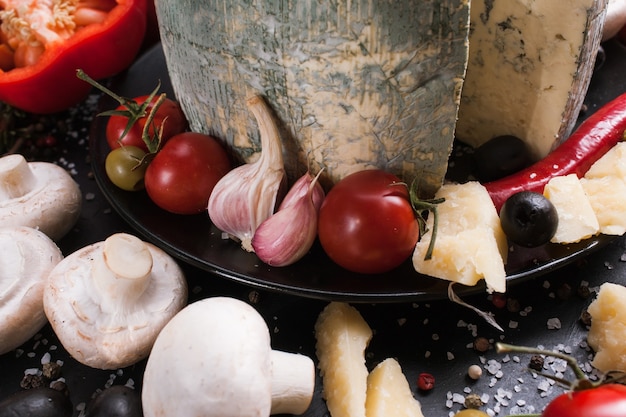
x=608, y=328
x=342, y=335
x=612, y=163
x=470, y=243
x=607, y=196
x=355, y=85
x=577, y=220
x=529, y=68
x=389, y=393
x=605, y=186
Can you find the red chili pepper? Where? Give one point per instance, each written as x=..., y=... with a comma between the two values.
x=591, y=140
x=100, y=49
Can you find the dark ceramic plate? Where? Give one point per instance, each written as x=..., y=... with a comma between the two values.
x=193, y=239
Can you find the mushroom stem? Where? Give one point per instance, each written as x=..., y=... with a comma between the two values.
x=293, y=382
x=122, y=273
x=16, y=177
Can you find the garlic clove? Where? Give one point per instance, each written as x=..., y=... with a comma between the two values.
x=302, y=187
x=288, y=235
x=247, y=195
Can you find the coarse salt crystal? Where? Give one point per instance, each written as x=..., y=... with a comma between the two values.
x=458, y=398
x=554, y=323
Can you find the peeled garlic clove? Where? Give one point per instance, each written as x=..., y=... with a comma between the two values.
x=288, y=235
x=247, y=195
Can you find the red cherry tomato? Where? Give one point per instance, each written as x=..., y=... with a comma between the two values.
x=182, y=175
x=367, y=223
x=607, y=400
x=169, y=111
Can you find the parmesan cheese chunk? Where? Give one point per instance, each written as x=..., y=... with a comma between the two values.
x=611, y=164
x=577, y=220
x=607, y=196
x=608, y=328
x=342, y=335
x=470, y=243
x=389, y=393
x=530, y=64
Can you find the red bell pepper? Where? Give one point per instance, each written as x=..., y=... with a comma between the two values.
x=100, y=49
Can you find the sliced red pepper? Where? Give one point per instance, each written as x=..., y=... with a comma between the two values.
x=591, y=140
x=100, y=49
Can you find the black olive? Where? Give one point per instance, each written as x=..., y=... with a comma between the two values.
x=116, y=401
x=499, y=157
x=37, y=402
x=529, y=219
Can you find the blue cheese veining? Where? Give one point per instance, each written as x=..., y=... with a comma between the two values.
x=530, y=65
x=355, y=84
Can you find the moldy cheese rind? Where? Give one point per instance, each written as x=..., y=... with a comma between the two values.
x=355, y=85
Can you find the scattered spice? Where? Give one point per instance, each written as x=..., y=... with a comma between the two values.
x=32, y=381
x=536, y=362
x=513, y=305
x=474, y=372
x=481, y=344
x=425, y=381
x=473, y=401
x=51, y=370
x=27, y=133
x=499, y=300
x=564, y=291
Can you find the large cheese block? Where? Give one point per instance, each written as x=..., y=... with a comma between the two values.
x=354, y=85
x=529, y=68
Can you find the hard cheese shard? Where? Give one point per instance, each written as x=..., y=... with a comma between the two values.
x=608, y=328
x=355, y=85
x=529, y=68
x=577, y=220
x=342, y=335
x=470, y=244
x=389, y=393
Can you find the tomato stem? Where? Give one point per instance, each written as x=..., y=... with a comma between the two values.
x=133, y=111
x=83, y=76
x=420, y=206
x=153, y=144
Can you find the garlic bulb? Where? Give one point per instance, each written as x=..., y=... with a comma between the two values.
x=247, y=195
x=287, y=236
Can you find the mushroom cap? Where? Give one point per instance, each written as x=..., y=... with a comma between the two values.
x=53, y=205
x=96, y=334
x=212, y=358
x=26, y=258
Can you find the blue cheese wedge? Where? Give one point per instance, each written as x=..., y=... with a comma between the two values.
x=529, y=69
x=355, y=85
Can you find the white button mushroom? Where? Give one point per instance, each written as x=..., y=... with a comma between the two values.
x=40, y=195
x=214, y=359
x=108, y=301
x=26, y=258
